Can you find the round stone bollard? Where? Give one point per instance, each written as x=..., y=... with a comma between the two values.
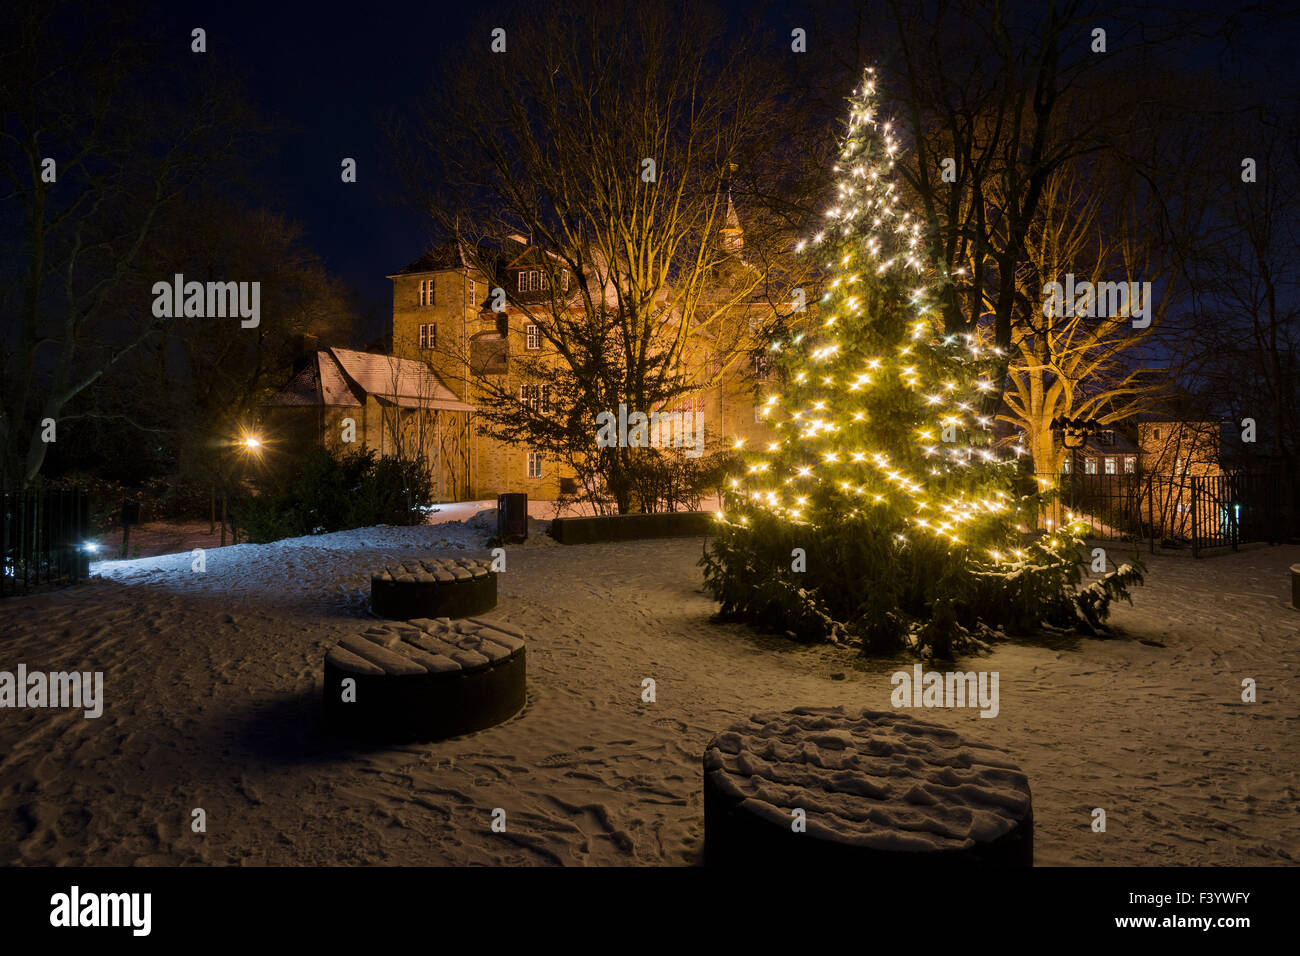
x=816, y=787
x=433, y=588
x=424, y=679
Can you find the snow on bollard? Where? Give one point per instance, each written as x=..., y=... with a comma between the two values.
x=424, y=679
x=436, y=587
x=818, y=787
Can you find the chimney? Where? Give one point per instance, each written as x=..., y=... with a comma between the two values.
x=302, y=349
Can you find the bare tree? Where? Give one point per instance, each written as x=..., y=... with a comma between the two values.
x=1093, y=226
x=618, y=193
x=91, y=166
x=1245, y=338
x=1000, y=101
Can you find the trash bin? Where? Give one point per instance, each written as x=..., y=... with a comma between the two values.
x=512, y=517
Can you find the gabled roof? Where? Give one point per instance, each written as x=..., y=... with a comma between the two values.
x=403, y=382
x=320, y=382
x=1122, y=445
x=448, y=255
x=343, y=378
x=731, y=223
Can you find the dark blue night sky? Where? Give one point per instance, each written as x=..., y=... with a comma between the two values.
x=328, y=76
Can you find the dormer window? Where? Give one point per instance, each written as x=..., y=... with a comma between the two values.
x=532, y=280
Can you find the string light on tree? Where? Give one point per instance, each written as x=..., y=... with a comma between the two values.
x=879, y=454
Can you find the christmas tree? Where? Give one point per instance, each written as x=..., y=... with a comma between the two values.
x=880, y=509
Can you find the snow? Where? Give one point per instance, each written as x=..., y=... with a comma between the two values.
x=882, y=781
x=324, y=567
x=213, y=686
x=435, y=646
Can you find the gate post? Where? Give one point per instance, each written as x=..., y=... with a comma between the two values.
x=1233, y=484
x=1196, y=536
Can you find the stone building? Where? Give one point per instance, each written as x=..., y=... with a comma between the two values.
x=448, y=343
x=443, y=315
x=395, y=406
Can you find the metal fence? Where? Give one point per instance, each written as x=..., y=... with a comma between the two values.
x=1199, y=512
x=41, y=532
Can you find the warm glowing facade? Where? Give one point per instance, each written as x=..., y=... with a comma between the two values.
x=442, y=315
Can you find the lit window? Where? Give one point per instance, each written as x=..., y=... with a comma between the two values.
x=1130, y=465
x=473, y=292
x=1090, y=466
x=536, y=397
x=426, y=292
x=534, y=341
x=762, y=367
x=1109, y=464
x=428, y=336
x=564, y=279
x=1180, y=466
x=1065, y=465
x=532, y=280
x=534, y=464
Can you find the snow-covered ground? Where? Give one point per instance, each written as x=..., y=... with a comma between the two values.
x=212, y=684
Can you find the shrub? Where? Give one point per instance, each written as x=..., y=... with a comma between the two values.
x=860, y=585
x=329, y=492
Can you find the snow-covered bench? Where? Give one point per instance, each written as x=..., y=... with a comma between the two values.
x=433, y=587
x=818, y=787
x=424, y=679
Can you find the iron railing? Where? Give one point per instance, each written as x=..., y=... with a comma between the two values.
x=1200, y=512
x=42, y=531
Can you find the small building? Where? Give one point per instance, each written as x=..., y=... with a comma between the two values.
x=1109, y=453
x=1181, y=448
x=340, y=398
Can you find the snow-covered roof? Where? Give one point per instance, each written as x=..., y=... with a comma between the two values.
x=402, y=382
x=319, y=382
x=342, y=378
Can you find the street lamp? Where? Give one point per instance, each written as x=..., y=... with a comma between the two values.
x=251, y=443
x=1074, y=434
